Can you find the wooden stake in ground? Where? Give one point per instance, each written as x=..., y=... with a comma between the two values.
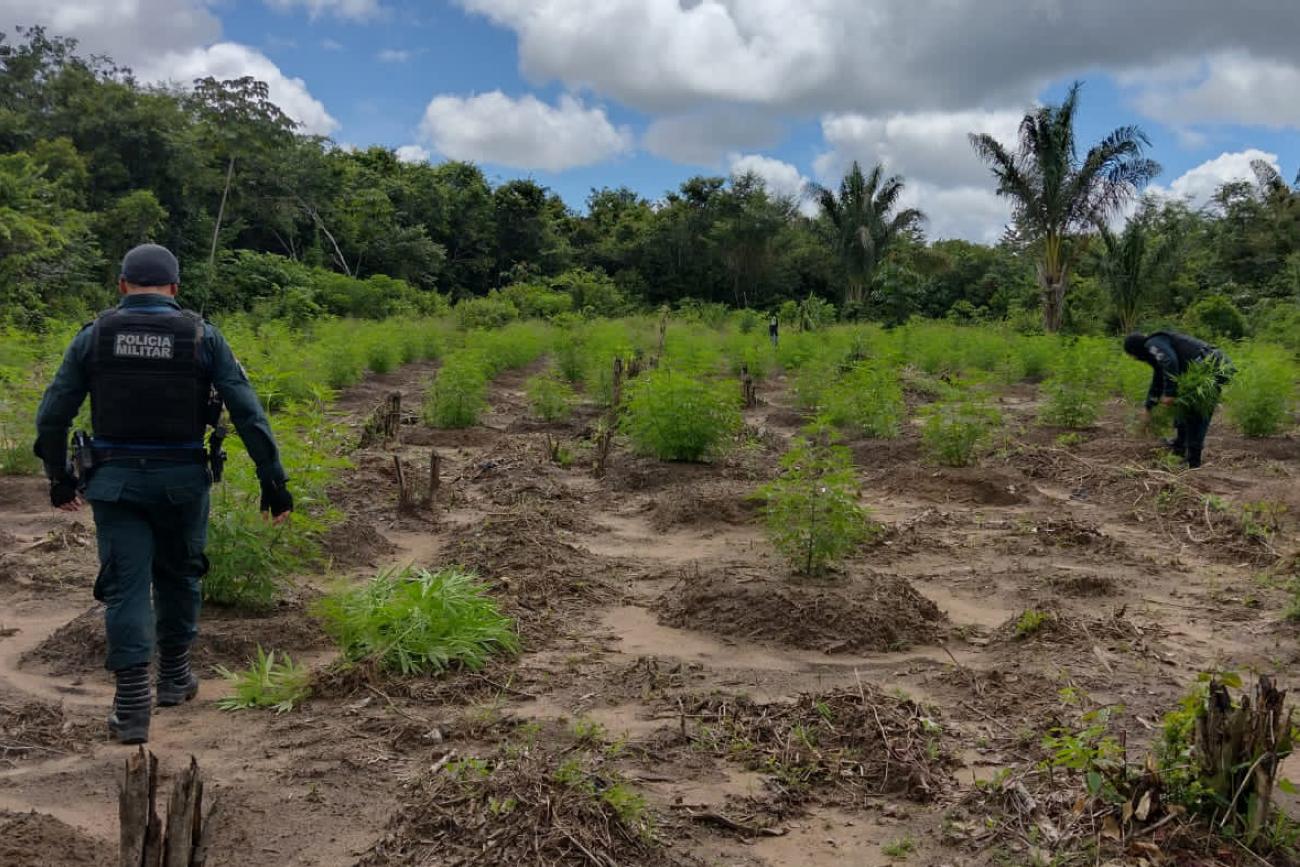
x=140, y=831
x=143, y=842
x=435, y=478
x=618, y=384
x=748, y=392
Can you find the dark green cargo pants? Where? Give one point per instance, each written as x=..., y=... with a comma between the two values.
x=151, y=522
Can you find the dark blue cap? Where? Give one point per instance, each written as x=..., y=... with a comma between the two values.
x=150, y=265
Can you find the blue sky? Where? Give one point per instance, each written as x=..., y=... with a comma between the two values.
x=645, y=93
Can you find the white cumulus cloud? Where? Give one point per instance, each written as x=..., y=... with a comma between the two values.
x=1198, y=185
x=934, y=146
x=413, y=154
x=814, y=56
x=136, y=32
x=356, y=10
x=231, y=60
x=1232, y=87
x=523, y=133
x=128, y=30
x=780, y=178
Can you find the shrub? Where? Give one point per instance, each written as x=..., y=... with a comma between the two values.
x=537, y=302
x=1261, y=397
x=250, y=556
x=869, y=399
x=551, y=398
x=268, y=682
x=1215, y=317
x=383, y=354
x=677, y=417
x=415, y=621
x=1074, y=392
x=592, y=292
x=954, y=430
x=812, y=511
x=1036, y=354
x=458, y=394
x=491, y=311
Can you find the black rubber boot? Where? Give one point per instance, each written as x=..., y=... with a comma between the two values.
x=176, y=682
x=132, y=706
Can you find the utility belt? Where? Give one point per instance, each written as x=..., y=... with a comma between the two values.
x=179, y=456
x=85, y=457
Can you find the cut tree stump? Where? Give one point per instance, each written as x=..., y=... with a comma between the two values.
x=1239, y=750
x=748, y=392
x=144, y=842
x=385, y=423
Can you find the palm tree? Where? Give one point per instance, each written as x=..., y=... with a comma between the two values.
x=865, y=223
x=1056, y=196
x=1130, y=263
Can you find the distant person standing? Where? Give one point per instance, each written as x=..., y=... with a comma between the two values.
x=1170, y=354
x=774, y=330
x=156, y=376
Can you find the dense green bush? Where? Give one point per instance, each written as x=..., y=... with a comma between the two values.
x=490, y=311
x=869, y=400
x=954, y=430
x=1074, y=392
x=550, y=397
x=592, y=293
x=678, y=417
x=416, y=621
x=458, y=394
x=1215, y=317
x=537, y=302
x=1260, y=400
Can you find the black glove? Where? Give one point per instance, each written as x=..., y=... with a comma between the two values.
x=276, y=498
x=63, y=491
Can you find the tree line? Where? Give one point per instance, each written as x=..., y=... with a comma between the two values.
x=93, y=162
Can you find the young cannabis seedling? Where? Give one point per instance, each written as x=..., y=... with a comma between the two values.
x=550, y=397
x=414, y=621
x=678, y=417
x=954, y=430
x=812, y=511
x=269, y=682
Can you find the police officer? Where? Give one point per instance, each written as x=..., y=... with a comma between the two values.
x=152, y=371
x=1170, y=354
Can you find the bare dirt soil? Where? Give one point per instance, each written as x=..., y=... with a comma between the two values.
x=683, y=698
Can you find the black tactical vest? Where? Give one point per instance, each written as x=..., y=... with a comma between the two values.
x=146, y=383
x=1188, y=348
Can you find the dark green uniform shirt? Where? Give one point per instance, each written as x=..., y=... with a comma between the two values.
x=68, y=390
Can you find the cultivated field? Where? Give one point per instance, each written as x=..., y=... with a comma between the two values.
x=1031, y=577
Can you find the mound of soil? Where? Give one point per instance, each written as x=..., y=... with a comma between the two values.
x=536, y=807
x=525, y=553
x=838, y=746
x=37, y=730
x=1083, y=585
x=1061, y=627
x=37, y=838
x=227, y=638
x=356, y=542
x=878, y=612
x=693, y=508
x=978, y=486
